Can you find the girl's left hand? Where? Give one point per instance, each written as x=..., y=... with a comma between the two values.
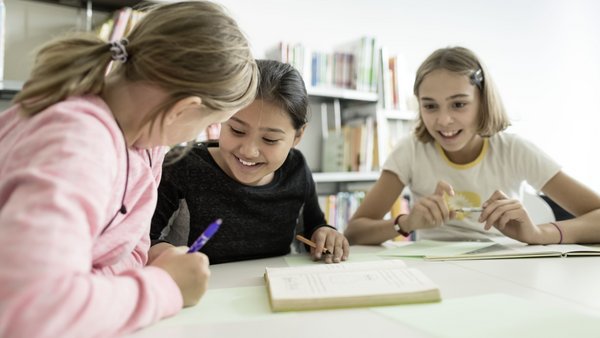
x=509, y=217
x=332, y=240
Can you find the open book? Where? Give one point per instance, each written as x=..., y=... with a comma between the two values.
x=521, y=250
x=385, y=282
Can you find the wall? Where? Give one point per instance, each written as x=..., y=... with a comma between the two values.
x=543, y=54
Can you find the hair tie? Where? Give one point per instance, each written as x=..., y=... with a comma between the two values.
x=477, y=78
x=117, y=48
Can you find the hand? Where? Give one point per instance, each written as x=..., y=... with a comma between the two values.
x=332, y=240
x=189, y=271
x=509, y=217
x=431, y=211
x=157, y=249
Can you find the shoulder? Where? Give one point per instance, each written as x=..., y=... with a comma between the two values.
x=85, y=124
x=295, y=161
x=511, y=142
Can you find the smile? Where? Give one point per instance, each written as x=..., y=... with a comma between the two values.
x=245, y=163
x=450, y=133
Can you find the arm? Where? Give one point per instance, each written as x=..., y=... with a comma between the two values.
x=322, y=234
x=581, y=202
x=511, y=218
x=367, y=225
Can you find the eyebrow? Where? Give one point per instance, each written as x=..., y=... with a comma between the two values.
x=448, y=98
x=274, y=130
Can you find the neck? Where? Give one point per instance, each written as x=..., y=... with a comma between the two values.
x=130, y=103
x=468, y=153
x=116, y=94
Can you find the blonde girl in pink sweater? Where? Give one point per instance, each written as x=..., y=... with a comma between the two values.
x=80, y=160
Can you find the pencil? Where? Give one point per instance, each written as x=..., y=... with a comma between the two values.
x=311, y=244
x=469, y=209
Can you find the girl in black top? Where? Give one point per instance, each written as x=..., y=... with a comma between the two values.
x=253, y=179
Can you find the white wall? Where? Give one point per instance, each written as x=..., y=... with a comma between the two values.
x=544, y=54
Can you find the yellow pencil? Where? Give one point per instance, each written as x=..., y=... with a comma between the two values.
x=311, y=244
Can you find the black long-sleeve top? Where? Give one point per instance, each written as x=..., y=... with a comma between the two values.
x=258, y=221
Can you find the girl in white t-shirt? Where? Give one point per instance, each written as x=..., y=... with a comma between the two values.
x=465, y=173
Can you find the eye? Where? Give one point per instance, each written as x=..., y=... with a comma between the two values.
x=270, y=141
x=429, y=106
x=459, y=105
x=237, y=132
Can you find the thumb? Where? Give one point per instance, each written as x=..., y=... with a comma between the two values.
x=443, y=187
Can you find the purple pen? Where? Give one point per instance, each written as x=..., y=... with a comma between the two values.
x=206, y=235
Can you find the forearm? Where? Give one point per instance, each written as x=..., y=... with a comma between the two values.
x=582, y=229
x=370, y=232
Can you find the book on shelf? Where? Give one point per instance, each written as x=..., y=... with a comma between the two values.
x=521, y=250
x=359, y=284
x=351, y=65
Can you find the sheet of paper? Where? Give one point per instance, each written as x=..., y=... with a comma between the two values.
x=493, y=316
x=436, y=248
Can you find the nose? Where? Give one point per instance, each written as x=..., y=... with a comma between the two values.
x=444, y=117
x=249, y=150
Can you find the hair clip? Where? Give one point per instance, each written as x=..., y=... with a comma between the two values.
x=117, y=48
x=477, y=78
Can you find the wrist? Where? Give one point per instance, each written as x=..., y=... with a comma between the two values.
x=399, y=228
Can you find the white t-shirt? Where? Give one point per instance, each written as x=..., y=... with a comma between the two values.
x=505, y=162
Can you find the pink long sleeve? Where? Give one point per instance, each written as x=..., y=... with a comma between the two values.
x=62, y=178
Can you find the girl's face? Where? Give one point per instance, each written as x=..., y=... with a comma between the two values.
x=255, y=142
x=449, y=107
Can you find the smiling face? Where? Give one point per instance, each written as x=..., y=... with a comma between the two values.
x=449, y=107
x=255, y=142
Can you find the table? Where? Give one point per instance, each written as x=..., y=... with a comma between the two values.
x=566, y=287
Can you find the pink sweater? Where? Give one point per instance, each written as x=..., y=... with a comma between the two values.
x=62, y=176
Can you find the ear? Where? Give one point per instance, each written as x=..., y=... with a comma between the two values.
x=179, y=108
x=299, y=135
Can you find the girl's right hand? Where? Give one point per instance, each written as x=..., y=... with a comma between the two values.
x=431, y=211
x=189, y=271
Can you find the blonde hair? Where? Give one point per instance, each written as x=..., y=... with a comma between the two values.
x=191, y=48
x=492, y=115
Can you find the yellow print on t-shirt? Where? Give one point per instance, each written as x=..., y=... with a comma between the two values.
x=462, y=199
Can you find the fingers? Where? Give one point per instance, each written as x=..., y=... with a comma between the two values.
x=334, y=242
x=433, y=210
x=501, y=212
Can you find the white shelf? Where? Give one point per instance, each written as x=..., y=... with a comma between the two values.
x=399, y=114
x=336, y=177
x=341, y=93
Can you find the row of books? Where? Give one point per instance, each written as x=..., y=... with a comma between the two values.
x=119, y=25
x=351, y=66
x=360, y=65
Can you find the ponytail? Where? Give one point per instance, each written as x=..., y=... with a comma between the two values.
x=65, y=67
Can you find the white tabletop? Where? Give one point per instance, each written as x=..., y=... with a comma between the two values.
x=566, y=284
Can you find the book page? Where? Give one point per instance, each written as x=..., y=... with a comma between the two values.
x=516, y=250
x=346, y=280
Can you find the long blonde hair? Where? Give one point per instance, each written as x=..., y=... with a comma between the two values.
x=191, y=48
x=492, y=115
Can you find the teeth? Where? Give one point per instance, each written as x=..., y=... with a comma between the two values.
x=246, y=163
x=449, y=133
